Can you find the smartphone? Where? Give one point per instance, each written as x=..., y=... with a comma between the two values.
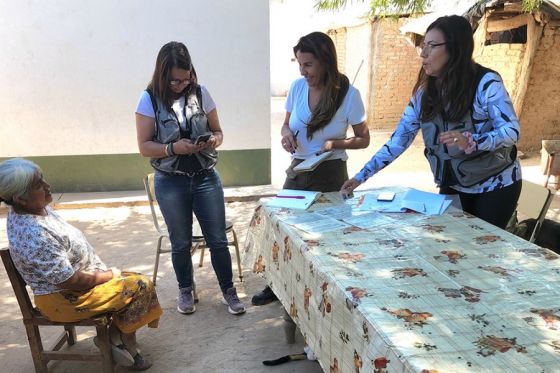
x=386, y=196
x=202, y=138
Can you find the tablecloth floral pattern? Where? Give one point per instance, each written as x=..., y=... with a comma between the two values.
x=412, y=293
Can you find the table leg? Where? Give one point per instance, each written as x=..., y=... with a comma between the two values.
x=289, y=328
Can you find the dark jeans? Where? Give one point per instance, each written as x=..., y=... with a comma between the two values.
x=495, y=207
x=178, y=197
x=327, y=177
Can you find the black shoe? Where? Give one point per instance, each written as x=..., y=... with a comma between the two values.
x=263, y=297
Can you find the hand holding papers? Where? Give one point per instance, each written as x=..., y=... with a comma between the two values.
x=294, y=199
x=416, y=200
x=311, y=163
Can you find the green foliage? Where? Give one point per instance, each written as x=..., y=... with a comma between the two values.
x=387, y=7
x=378, y=7
x=530, y=5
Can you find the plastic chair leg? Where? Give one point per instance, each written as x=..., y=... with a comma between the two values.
x=235, y=243
x=156, y=264
x=549, y=165
x=201, y=262
x=195, y=294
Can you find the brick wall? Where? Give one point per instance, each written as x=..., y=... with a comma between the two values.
x=339, y=38
x=507, y=60
x=540, y=117
x=394, y=66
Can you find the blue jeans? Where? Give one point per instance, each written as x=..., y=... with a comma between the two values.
x=178, y=197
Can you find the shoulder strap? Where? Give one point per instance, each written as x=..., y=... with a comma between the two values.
x=480, y=72
x=154, y=102
x=155, y=107
x=199, y=96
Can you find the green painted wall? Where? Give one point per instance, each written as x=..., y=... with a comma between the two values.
x=111, y=172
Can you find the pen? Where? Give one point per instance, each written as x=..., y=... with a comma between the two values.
x=295, y=137
x=296, y=197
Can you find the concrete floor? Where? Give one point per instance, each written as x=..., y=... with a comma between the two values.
x=209, y=340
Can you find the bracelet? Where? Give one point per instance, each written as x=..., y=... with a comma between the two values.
x=169, y=149
x=166, y=152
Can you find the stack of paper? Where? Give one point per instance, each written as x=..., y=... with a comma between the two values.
x=312, y=162
x=416, y=200
x=294, y=199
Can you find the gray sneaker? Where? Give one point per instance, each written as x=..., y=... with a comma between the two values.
x=185, y=301
x=235, y=307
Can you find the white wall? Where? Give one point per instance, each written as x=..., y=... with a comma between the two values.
x=71, y=72
x=357, y=57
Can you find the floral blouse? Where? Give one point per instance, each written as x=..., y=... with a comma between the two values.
x=46, y=250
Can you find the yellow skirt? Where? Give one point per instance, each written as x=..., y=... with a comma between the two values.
x=132, y=298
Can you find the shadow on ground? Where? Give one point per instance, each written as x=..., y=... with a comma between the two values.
x=209, y=340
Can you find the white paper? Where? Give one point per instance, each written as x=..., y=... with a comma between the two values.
x=300, y=199
x=312, y=162
x=415, y=200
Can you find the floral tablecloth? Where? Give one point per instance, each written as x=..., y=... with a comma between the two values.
x=405, y=292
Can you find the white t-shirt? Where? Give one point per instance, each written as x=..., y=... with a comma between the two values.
x=145, y=105
x=351, y=112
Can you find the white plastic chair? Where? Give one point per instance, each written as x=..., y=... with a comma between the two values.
x=198, y=241
x=550, y=160
x=534, y=202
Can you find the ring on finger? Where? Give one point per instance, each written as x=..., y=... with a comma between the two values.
x=455, y=139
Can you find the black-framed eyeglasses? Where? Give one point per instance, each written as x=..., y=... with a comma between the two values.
x=428, y=47
x=178, y=82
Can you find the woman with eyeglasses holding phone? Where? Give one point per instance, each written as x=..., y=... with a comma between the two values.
x=468, y=124
x=173, y=115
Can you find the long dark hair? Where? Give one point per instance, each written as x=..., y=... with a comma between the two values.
x=453, y=97
x=172, y=54
x=336, y=84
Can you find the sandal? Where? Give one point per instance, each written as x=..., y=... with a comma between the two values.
x=120, y=355
x=141, y=362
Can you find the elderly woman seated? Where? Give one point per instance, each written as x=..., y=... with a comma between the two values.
x=69, y=281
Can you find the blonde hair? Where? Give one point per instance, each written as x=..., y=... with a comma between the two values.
x=16, y=175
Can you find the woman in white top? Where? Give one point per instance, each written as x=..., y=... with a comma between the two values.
x=320, y=107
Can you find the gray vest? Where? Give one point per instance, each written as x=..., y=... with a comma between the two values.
x=451, y=166
x=167, y=130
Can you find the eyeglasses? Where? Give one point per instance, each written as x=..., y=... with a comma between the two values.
x=177, y=82
x=428, y=47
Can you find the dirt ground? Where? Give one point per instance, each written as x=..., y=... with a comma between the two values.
x=209, y=340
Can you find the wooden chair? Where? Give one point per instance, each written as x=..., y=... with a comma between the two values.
x=197, y=238
x=32, y=319
x=534, y=202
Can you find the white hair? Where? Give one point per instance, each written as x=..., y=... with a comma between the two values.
x=16, y=176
